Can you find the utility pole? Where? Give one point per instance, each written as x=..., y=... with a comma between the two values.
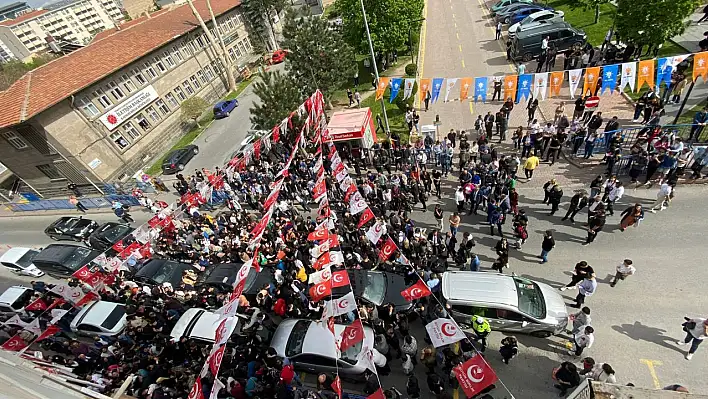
x=217, y=49
x=229, y=64
x=373, y=62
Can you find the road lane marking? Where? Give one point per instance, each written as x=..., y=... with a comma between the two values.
x=460, y=46
x=421, y=53
x=471, y=108
x=463, y=63
x=453, y=17
x=458, y=35
x=493, y=30
x=652, y=371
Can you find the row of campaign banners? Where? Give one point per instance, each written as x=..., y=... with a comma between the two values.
x=632, y=74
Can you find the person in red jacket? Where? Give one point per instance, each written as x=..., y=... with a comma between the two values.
x=280, y=307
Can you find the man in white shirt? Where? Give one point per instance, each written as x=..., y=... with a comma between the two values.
x=623, y=270
x=661, y=197
x=616, y=194
x=582, y=340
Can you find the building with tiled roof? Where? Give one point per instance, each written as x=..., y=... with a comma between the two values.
x=102, y=112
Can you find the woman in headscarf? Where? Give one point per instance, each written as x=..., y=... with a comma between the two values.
x=631, y=216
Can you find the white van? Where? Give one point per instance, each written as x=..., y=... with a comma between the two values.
x=509, y=303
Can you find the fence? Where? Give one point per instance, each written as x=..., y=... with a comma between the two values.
x=583, y=391
x=90, y=203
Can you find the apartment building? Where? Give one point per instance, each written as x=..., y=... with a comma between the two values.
x=13, y=10
x=102, y=112
x=76, y=22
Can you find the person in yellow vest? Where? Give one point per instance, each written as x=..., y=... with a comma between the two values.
x=529, y=166
x=481, y=328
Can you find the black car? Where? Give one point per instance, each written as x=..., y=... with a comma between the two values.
x=62, y=260
x=223, y=275
x=176, y=160
x=108, y=234
x=159, y=271
x=376, y=288
x=71, y=228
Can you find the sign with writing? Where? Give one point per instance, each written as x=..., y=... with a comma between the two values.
x=128, y=108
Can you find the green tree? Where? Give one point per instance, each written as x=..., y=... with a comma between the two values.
x=588, y=4
x=319, y=58
x=652, y=22
x=259, y=21
x=389, y=23
x=191, y=109
x=278, y=96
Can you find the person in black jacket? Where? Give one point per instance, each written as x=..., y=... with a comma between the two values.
x=555, y=198
x=567, y=377
x=577, y=203
x=547, y=245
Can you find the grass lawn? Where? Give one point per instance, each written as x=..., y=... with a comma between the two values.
x=687, y=116
x=396, y=117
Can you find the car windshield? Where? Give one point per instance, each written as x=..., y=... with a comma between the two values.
x=531, y=299
x=77, y=258
x=164, y=274
x=27, y=258
x=113, y=233
x=67, y=224
x=374, y=288
x=297, y=338
x=114, y=317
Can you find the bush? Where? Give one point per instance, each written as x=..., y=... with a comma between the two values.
x=402, y=104
x=411, y=69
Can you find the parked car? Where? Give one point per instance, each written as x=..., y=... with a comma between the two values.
x=504, y=16
x=521, y=14
x=201, y=324
x=73, y=228
x=535, y=20
x=251, y=136
x=14, y=300
x=222, y=276
x=160, y=271
x=311, y=347
x=501, y=4
x=19, y=260
x=108, y=234
x=62, y=260
x=278, y=56
x=526, y=45
x=510, y=303
x=222, y=109
x=100, y=318
x=176, y=160
x=376, y=288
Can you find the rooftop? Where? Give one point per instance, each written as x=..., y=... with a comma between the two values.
x=49, y=84
x=13, y=5
x=23, y=18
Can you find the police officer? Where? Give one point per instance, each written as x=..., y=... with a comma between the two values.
x=481, y=328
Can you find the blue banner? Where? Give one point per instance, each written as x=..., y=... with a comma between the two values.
x=609, y=78
x=524, y=86
x=396, y=84
x=437, y=85
x=663, y=71
x=480, y=88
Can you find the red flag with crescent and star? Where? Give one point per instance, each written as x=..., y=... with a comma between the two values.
x=352, y=335
x=416, y=291
x=340, y=279
x=337, y=386
x=320, y=291
x=38, y=304
x=319, y=234
x=377, y=395
x=474, y=375
x=14, y=344
x=387, y=250
x=366, y=216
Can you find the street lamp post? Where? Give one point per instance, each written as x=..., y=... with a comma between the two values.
x=373, y=61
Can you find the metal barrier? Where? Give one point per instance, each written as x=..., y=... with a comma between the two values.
x=57, y=204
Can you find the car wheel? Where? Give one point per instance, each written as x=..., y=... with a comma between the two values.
x=577, y=45
x=226, y=114
x=180, y=167
x=527, y=57
x=196, y=151
x=541, y=334
x=507, y=20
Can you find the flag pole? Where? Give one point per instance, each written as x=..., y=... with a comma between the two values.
x=376, y=69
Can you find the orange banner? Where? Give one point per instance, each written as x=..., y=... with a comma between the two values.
x=381, y=87
x=645, y=73
x=591, y=75
x=700, y=65
x=510, y=87
x=556, y=82
x=465, y=85
x=424, y=87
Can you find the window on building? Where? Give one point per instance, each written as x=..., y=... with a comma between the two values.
x=172, y=100
x=127, y=83
x=119, y=140
x=194, y=47
x=168, y=59
x=180, y=94
x=115, y=90
x=177, y=55
x=50, y=171
x=231, y=24
x=150, y=71
x=248, y=44
x=242, y=47
x=201, y=77
x=195, y=82
x=160, y=65
x=239, y=19
x=152, y=114
x=188, y=88
x=184, y=47
x=87, y=107
x=200, y=42
x=102, y=98
x=238, y=52
x=142, y=122
x=131, y=131
x=215, y=65
x=15, y=140
x=232, y=55
x=162, y=107
x=208, y=72
x=139, y=77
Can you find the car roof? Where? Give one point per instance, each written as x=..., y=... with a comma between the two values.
x=13, y=293
x=460, y=287
x=547, y=27
x=14, y=254
x=95, y=313
x=196, y=323
x=318, y=339
x=153, y=267
x=57, y=251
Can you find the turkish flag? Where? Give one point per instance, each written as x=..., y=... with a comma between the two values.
x=340, y=279
x=387, y=250
x=57, y=302
x=257, y=149
x=365, y=217
x=416, y=291
x=125, y=253
x=337, y=386
x=83, y=274
x=38, y=304
x=377, y=395
x=330, y=324
x=154, y=221
x=119, y=247
x=49, y=332
x=215, y=360
x=261, y=225
x=14, y=344
x=271, y=199
x=319, y=234
x=145, y=251
x=474, y=375
x=321, y=290
x=350, y=190
x=88, y=297
x=322, y=261
x=352, y=335
x=196, y=391
x=319, y=190
x=276, y=133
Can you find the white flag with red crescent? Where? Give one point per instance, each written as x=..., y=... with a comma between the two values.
x=444, y=332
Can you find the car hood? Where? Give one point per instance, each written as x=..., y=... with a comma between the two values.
x=513, y=28
x=33, y=271
x=555, y=304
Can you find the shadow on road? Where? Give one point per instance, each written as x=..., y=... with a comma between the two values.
x=641, y=332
